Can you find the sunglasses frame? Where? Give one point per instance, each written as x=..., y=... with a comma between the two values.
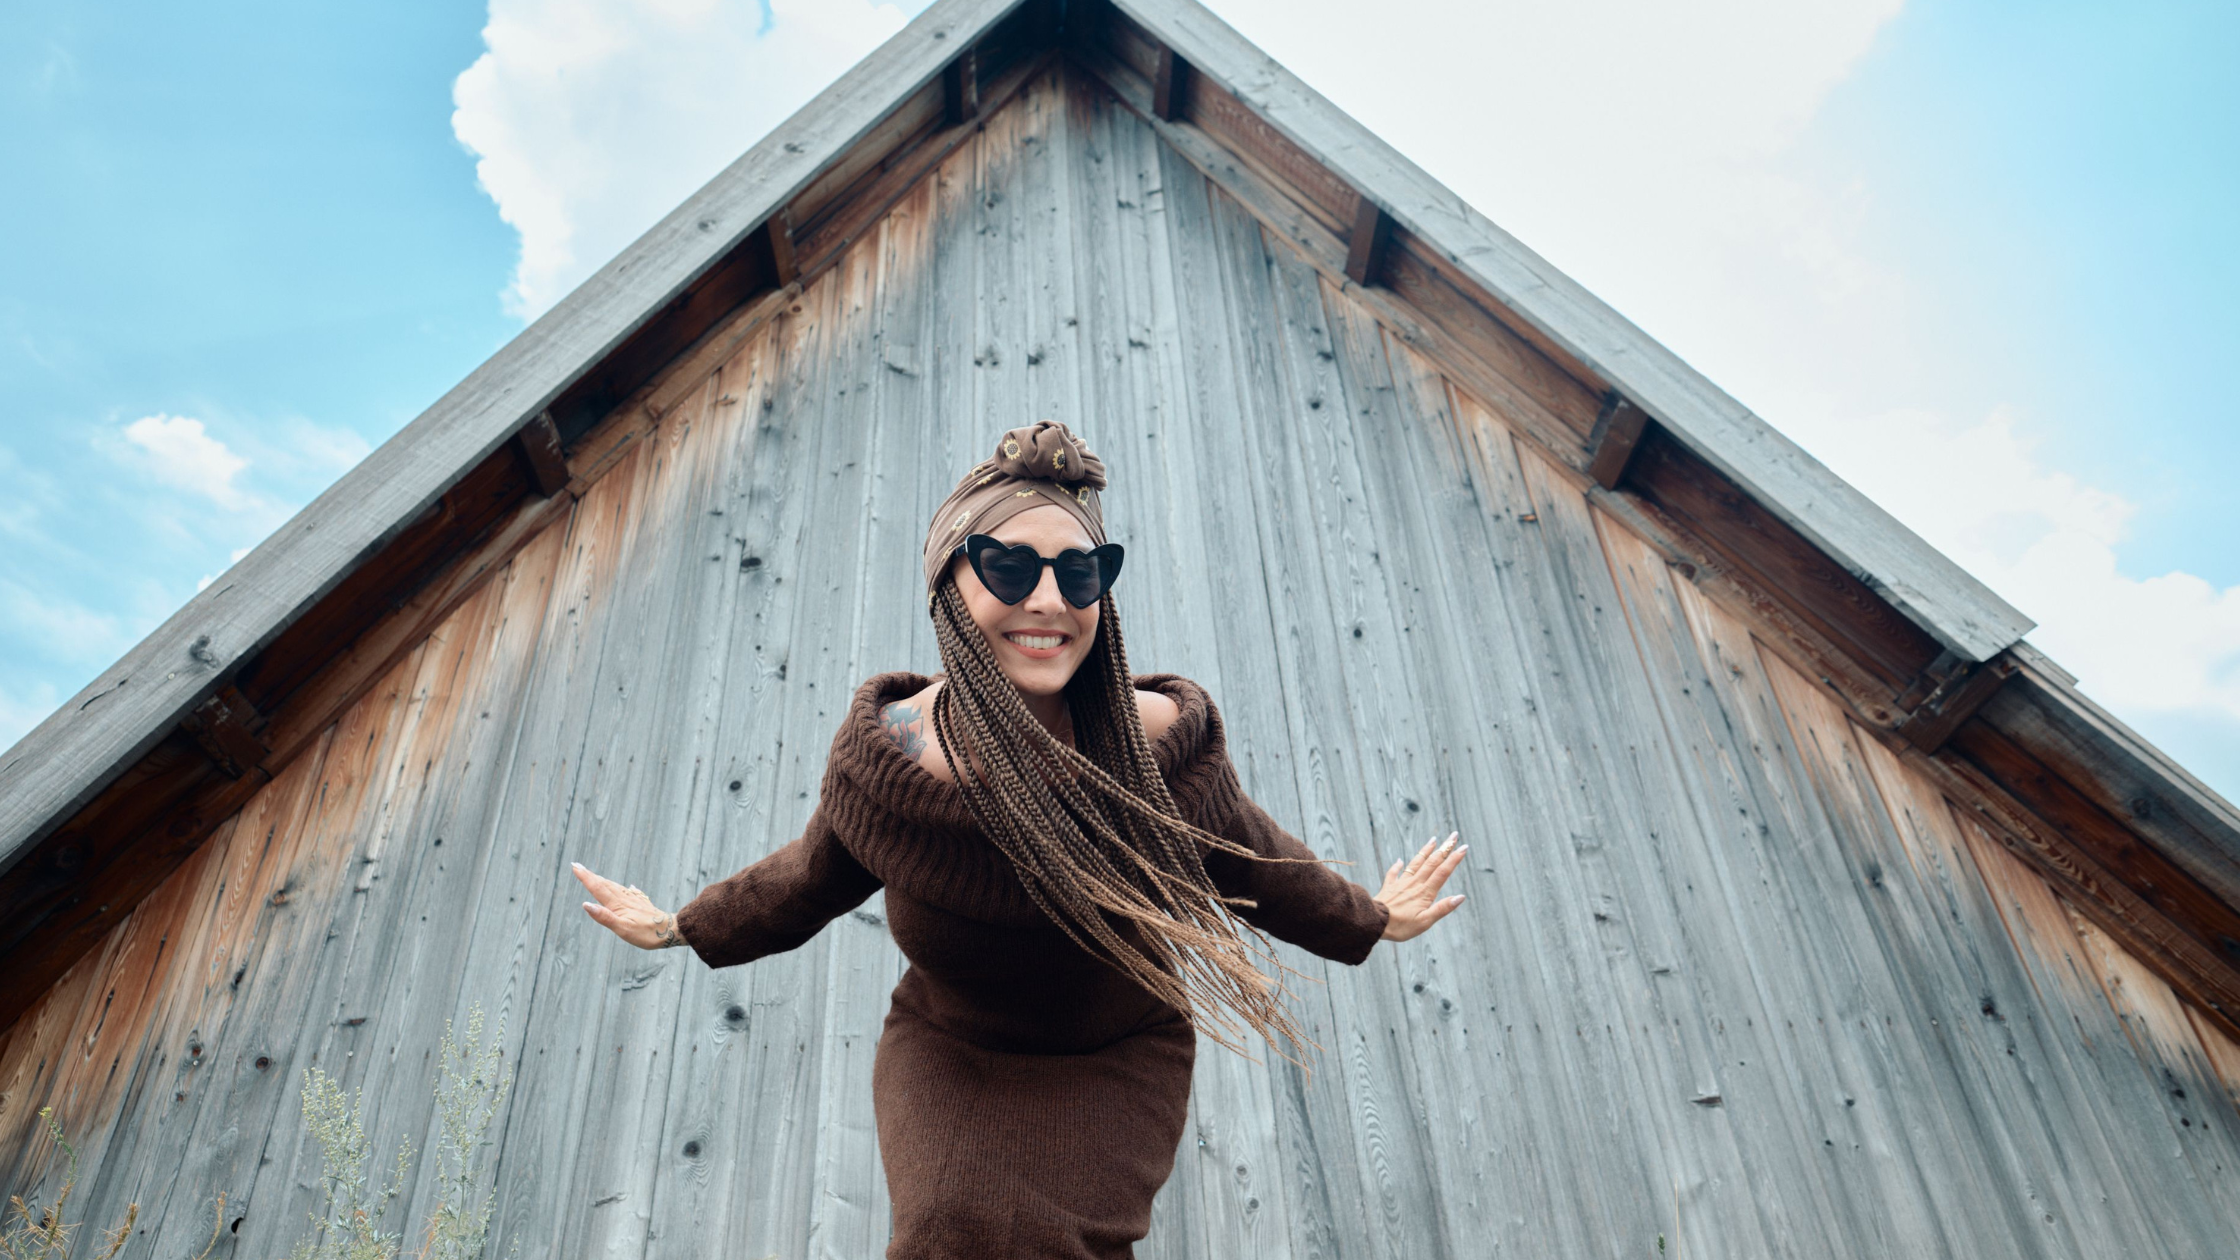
x=1108, y=557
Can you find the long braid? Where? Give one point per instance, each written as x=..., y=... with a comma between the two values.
x=1093, y=832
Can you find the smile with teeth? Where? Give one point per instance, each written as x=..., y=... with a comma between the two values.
x=1033, y=642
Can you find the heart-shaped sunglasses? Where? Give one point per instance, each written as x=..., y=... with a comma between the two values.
x=1012, y=572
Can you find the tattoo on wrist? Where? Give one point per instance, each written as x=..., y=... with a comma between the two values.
x=665, y=931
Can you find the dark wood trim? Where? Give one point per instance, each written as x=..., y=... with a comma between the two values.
x=542, y=455
x=226, y=727
x=1815, y=609
x=819, y=244
x=1611, y=443
x=1950, y=699
x=663, y=278
x=1886, y=645
x=960, y=88
x=1957, y=609
x=783, y=269
x=2177, y=925
x=1170, y=87
x=2122, y=775
x=1366, y=242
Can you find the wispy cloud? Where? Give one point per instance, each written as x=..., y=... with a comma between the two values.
x=1665, y=156
x=2046, y=539
x=590, y=119
x=24, y=709
x=56, y=72
x=179, y=452
x=63, y=628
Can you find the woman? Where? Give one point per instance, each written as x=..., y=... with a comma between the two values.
x=1067, y=857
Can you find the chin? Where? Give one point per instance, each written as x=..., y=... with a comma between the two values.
x=1039, y=678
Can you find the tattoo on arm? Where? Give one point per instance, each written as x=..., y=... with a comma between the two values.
x=665, y=931
x=905, y=726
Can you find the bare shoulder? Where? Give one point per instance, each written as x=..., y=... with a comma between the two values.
x=909, y=723
x=1158, y=713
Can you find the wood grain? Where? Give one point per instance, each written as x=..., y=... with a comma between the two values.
x=1913, y=576
x=1733, y=971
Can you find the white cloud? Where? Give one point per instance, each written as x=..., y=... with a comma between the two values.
x=61, y=628
x=179, y=452
x=591, y=119
x=2046, y=540
x=1663, y=155
x=302, y=451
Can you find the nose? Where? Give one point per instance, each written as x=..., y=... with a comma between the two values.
x=1044, y=598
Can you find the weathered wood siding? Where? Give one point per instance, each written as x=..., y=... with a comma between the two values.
x=1732, y=975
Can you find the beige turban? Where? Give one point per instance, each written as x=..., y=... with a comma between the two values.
x=1033, y=467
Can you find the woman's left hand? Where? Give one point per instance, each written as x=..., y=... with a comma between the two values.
x=1411, y=889
x=627, y=912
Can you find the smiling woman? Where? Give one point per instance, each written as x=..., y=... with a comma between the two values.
x=1071, y=867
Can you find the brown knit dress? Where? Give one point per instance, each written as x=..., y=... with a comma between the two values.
x=1029, y=1097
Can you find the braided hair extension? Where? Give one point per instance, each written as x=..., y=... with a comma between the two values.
x=1093, y=831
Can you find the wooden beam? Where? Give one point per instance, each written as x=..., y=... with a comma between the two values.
x=2123, y=775
x=1755, y=542
x=1365, y=244
x=541, y=453
x=1927, y=586
x=1951, y=700
x=960, y=88
x=1616, y=432
x=226, y=726
x=779, y=229
x=136, y=703
x=1170, y=86
x=2177, y=924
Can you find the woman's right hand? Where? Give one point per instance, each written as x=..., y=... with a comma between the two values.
x=627, y=912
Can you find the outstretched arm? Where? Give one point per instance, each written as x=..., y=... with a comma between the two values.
x=774, y=905
x=1303, y=902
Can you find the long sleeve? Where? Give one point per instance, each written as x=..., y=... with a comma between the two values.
x=778, y=903
x=1309, y=905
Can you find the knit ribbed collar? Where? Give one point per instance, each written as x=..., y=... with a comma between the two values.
x=917, y=835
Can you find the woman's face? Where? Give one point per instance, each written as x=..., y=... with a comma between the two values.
x=1042, y=639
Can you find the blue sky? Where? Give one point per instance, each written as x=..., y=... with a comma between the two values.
x=1969, y=253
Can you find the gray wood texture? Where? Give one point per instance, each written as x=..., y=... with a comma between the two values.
x=107, y=726
x=1732, y=979
x=1937, y=594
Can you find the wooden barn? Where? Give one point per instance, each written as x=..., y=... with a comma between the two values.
x=1812, y=912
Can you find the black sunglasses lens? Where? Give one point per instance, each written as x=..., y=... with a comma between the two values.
x=1009, y=573
x=1080, y=578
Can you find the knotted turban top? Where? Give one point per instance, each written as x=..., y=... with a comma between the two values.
x=1043, y=464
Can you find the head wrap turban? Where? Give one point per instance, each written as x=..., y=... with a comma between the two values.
x=1041, y=465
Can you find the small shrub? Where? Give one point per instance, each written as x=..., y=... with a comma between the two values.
x=34, y=1233
x=468, y=1096
x=42, y=1235
x=350, y=1226
x=470, y=1090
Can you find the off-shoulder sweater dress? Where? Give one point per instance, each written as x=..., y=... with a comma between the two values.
x=1029, y=1097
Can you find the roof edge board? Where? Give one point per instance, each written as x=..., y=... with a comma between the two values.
x=112, y=722
x=1924, y=584
x=2137, y=783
